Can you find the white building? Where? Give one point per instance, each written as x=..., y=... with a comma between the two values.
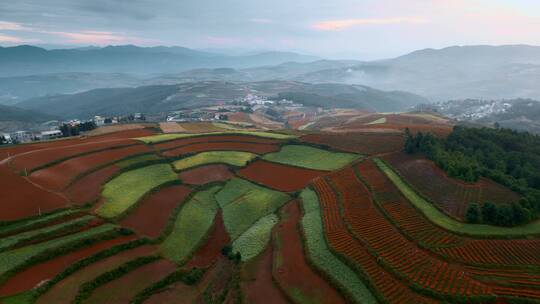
x=46, y=135
x=22, y=136
x=99, y=121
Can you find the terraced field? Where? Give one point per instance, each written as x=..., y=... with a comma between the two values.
x=227, y=215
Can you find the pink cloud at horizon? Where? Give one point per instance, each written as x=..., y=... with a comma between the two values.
x=337, y=25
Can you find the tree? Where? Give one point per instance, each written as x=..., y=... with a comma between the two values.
x=504, y=216
x=473, y=213
x=3, y=140
x=518, y=214
x=489, y=213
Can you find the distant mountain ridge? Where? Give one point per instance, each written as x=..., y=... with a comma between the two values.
x=27, y=60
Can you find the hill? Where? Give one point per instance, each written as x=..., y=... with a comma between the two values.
x=29, y=60
x=163, y=98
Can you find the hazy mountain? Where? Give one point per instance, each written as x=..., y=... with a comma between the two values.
x=164, y=98
x=517, y=114
x=28, y=60
x=451, y=73
x=14, y=119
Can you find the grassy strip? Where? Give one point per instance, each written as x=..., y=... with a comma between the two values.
x=16, y=260
x=36, y=221
x=311, y=158
x=127, y=189
x=168, y=137
x=439, y=218
x=234, y=158
x=43, y=233
x=86, y=262
x=244, y=203
x=87, y=288
x=138, y=160
x=254, y=240
x=192, y=224
x=322, y=258
x=187, y=277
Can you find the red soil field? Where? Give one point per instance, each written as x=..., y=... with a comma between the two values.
x=66, y=290
x=88, y=188
x=290, y=269
x=151, y=216
x=210, y=252
x=32, y=160
x=278, y=176
x=123, y=289
x=363, y=143
x=223, y=146
x=20, y=198
x=213, y=138
x=449, y=194
x=370, y=226
x=30, y=277
x=206, y=174
x=340, y=240
x=240, y=117
x=256, y=280
x=60, y=176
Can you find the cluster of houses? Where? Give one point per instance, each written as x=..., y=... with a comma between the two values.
x=56, y=128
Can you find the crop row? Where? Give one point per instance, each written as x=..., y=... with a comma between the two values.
x=168, y=137
x=342, y=242
x=403, y=256
x=222, y=146
x=311, y=158
x=182, y=142
x=254, y=240
x=322, y=257
x=233, y=158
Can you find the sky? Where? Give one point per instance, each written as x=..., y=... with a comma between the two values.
x=355, y=29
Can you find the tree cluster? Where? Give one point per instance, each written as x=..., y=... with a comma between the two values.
x=508, y=157
x=3, y=140
x=70, y=130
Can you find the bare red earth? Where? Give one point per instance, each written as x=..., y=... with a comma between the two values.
x=30, y=277
x=210, y=252
x=214, y=138
x=257, y=283
x=20, y=198
x=223, y=146
x=123, y=290
x=34, y=159
x=88, y=188
x=152, y=214
x=293, y=272
x=206, y=174
x=278, y=176
x=59, y=176
x=364, y=143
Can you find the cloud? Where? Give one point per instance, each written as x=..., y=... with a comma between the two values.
x=11, y=26
x=261, y=20
x=92, y=37
x=343, y=24
x=13, y=39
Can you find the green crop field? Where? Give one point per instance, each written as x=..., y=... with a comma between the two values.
x=439, y=218
x=254, y=240
x=165, y=137
x=321, y=256
x=141, y=159
x=311, y=158
x=191, y=226
x=244, y=203
x=12, y=240
x=127, y=189
x=35, y=222
x=17, y=257
x=233, y=158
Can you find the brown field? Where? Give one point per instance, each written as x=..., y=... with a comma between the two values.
x=206, y=174
x=123, y=289
x=449, y=194
x=121, y=128
x=257, y=283
x=278, y=176
x=210, y=252
x=30, y=277
x=290, y=268
x=59, y=176
x=171, y=127
x=363, y=143
x=213, y=139
x=88, y=188
x=151, y=215
x=21, y=198
x=199, y=127
x=223, y=146
x=66, y=290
